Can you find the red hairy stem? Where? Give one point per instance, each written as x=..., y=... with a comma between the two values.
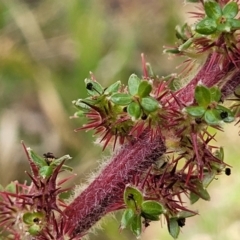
x=211, y=73
x=107, y=189
x=231, y=85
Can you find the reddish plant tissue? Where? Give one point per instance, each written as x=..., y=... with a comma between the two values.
x=105, y=193
x=163, y=149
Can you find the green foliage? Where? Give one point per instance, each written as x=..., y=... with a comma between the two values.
x=218, y=20
x=208, y=106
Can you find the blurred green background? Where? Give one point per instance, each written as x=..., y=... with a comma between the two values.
x=47, y=49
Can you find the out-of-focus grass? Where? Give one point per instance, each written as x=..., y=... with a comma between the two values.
x=47, y=49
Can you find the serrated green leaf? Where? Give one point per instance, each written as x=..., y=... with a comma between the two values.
x=122, y=99
x=202, y=96
x=211, y=117
x=212, y=9
x=113, y=88
x=136, y=225
x=133, y=84
x=46, y=171
x=206, y=26
x=196, y=111
x=193, y=198
x=215, y=94
x=144, y=89
x=134, y=110
x=173, y=227
x=127, y=218
x=133, y=198
x=96, y=88
x=36, y=159
x=230, y=10
x=149, y=104
x=151, y=207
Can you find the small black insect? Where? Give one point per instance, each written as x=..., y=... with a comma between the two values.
x=89, y=86
x=228, y=171
x=49, y=157
x=223, y=115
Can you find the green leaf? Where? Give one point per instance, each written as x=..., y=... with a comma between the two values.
x=211, y=117
x=30, y=217
x=215, y=94
x=46, y=171
x=133, y=84
x=134, y=110
x=127, y=218
x=173, y=227
x=113, y=88
x=208, y=178
x=36, y=159
x=224, y=27
x=203, y=96
x=34, y=229
x=80, y=105
x=149, y=104
x=201, y=191
x=122, y=99
x=152, y=207
x=133, y=198
x=144, y=89
x=150, y=217
x=171, y=50
x=193, y=198
x=196, y=111
x=206, y=26
x=11, y=187
x=235, y=23
x=136, y=225
x=185, y=214
x=93, y=87
x=58, y=161
x=186, y=45
x=223, y=111
x=219, y=154
x=230, y=10
x=212, y=9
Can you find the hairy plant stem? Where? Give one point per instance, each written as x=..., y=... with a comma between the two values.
x=107, y=189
